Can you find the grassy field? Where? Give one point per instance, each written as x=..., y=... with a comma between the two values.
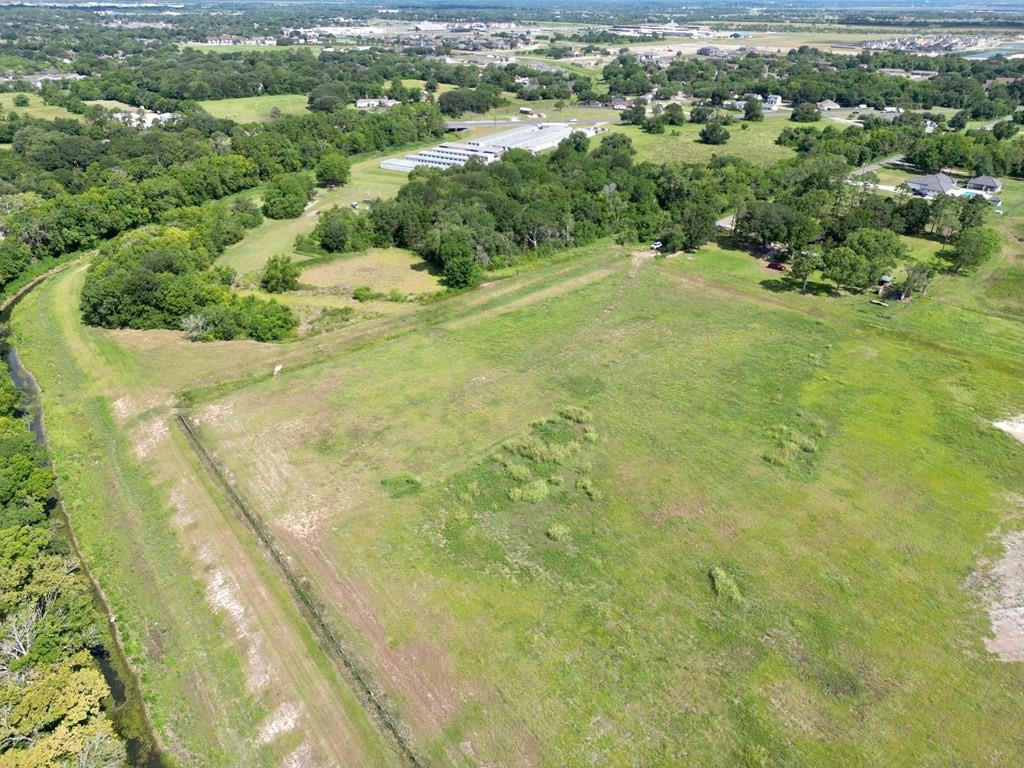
x=230, y=671
x=368, y=181
x=113, y=104
x=496, y=570
x=611, y=510
x=36, y=107
x=753, y=542
x=254, y=109
x=756, y=143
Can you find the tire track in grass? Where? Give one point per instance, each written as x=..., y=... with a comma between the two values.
x=307, y=604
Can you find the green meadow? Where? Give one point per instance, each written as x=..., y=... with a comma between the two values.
x=254, y=109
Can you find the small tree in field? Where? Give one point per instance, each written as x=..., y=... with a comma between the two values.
x=973, y=247
x=21, y=100
x=714, y=133
x=280, y=275
x=753, y=112
x=805, y=265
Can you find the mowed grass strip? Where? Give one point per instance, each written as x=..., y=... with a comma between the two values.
x=842, y=476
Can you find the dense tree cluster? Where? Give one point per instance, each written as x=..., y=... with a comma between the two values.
x=161, y=277
x=51, y=691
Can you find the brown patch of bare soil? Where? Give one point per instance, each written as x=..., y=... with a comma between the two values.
x=1002, y=585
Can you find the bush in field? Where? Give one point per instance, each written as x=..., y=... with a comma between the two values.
x=557, y=532
x=280, y=274
x=576, y=414
x=724, y=585
x=535, y=449
x=518, y=472
x=21, y=100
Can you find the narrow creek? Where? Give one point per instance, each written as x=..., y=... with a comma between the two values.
x=125, y=706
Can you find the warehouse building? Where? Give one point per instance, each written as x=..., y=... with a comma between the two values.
x=534, y=138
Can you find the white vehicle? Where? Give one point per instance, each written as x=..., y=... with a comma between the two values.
x=656, y=245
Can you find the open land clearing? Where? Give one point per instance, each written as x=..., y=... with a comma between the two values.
x=254, y=109
x=609, y=511
x=754, y=142
x=36, y=107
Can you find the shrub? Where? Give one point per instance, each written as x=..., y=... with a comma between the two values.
x=724, y=585
x=21, y=100
x=366, y=293
x=576, y=414
x=280, y=274
x=536, y=491
x=518, y=472
x=557, y=532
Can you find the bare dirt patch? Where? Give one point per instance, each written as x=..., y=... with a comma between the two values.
x=1014, y=427
x=637, y=260
x=149, y=435
x=1002, y=585
x=282, y=720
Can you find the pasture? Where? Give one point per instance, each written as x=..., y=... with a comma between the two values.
x=488, y=555
x=612, y=509
x=36, y=107
x=255, y=109
x=756, y=143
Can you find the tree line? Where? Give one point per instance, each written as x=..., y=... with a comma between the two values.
x=52, y=693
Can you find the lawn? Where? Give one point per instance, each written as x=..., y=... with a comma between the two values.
x=36, y=107
x=253, y=109
x=756, y=143
x=113, y=104
x=383, y=269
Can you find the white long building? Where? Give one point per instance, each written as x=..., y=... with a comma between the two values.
x=534, y=138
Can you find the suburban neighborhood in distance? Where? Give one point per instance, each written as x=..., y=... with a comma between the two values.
x=523, y=385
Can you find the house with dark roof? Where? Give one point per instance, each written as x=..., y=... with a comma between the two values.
x=931, y=185
x=987, y=184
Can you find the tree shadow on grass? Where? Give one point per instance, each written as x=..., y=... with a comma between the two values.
x=789, y=285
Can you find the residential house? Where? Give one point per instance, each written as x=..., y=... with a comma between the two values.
x=987, y=184
x=932, y=185
x=773, y=102
x=827, y=104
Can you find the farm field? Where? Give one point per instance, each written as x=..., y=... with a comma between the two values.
x=254, y=109
x=36, y=107
x=695, y=563
x=756, y=143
